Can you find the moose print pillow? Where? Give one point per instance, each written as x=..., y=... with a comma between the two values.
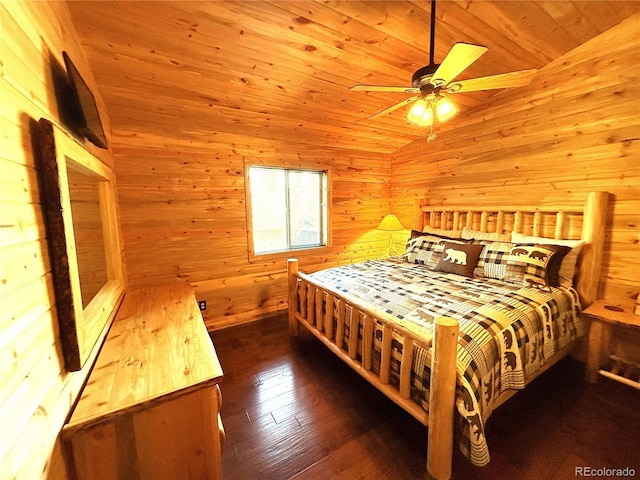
x=528, y=264
x=459, y=258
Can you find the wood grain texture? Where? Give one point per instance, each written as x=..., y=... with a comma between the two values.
x=183, y=109
x=285, y=421
x=150, y=406
x=547, y=144
x=155, y=328
x=236, y=82
x=36, y=391
x=442, y=398
x=83, y=318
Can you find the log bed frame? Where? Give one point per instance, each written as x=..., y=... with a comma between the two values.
x=305, y=296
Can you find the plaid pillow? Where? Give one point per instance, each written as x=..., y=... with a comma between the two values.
x=568, y=263
x=425, y=249
x=527, y=265
x=493, y=259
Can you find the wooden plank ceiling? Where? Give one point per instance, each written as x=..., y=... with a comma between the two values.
x=282, y=70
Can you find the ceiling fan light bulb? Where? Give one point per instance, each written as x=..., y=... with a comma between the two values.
x=427, y=118
x=417, y=111
x=445, y=109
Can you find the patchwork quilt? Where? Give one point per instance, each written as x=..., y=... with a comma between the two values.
x=506, y=331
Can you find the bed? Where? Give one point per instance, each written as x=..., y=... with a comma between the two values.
x=482, y=302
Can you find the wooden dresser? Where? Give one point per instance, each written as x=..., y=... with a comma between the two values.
x=151, y=406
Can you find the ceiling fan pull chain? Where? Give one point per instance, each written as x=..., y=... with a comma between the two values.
x=432, y=136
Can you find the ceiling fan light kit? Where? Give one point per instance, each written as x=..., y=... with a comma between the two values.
x=433, y=106
x=429, y=83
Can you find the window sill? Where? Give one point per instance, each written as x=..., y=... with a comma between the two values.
x=297, y=253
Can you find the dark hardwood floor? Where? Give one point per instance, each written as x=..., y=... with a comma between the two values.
x=292, y=410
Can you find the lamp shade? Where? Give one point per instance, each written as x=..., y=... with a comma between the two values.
x=390, y=223
x=445, y=109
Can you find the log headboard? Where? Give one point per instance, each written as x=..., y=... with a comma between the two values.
x=586, y=223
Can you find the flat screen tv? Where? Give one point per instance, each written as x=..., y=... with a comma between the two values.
x=88, y=117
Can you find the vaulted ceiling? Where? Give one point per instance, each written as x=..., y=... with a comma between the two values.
x=281, y=70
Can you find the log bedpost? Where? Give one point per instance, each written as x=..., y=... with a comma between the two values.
x=442, y=399
x=292, y=270
x=593, y=228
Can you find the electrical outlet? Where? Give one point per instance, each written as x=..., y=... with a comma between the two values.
x=202, y=304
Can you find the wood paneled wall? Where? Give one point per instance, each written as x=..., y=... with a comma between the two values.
x=183, y=212
x=36, y=392
x=183, y=215
x=573, y=130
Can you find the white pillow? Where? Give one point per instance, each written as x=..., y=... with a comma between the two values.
x=469, y=234
x=568, y=267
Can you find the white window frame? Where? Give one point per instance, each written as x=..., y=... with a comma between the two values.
x=325, y=242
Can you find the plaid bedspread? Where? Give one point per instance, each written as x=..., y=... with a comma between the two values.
x=506, y=332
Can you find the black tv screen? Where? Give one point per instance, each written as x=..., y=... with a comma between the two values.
x=88, y=117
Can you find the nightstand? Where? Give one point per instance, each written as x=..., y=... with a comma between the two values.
x=604, y=317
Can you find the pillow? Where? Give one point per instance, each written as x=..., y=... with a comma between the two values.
x=568, y=264
x=425, y=249
x=493, y=259
x=554, y=265
x=442, y=232
x=528, y=264
x=420, y=249
x=459, y=258
x=468, y=233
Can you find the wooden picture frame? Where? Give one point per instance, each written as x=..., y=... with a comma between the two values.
x=79, y=206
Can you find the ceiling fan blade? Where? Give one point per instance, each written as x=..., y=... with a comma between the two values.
x=502, y=80
x=381, y=88
x=458, y=59
x=398, y=105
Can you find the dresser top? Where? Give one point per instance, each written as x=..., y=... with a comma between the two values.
x=157, y=347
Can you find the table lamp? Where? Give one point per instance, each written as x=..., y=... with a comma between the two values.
x=390, y=223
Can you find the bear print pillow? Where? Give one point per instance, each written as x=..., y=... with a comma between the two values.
x=528, y=264
x=458, y=258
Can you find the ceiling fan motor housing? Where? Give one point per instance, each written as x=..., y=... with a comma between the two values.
x=422, y=76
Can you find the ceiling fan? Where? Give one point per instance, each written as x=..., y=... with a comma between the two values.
x=431, y=82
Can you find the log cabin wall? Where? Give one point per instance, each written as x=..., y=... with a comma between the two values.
x=181, y=176
x=183, y=215
x=197, y=89
x=182, y=199
x=574, y=129
x=36, y=392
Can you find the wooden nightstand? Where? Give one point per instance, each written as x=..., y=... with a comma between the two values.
x=604, y=316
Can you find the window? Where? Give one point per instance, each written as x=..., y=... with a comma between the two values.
x=287, y=209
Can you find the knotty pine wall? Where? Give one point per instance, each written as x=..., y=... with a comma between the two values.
x=36, y=392
x=183, y=215
x=573, y=130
